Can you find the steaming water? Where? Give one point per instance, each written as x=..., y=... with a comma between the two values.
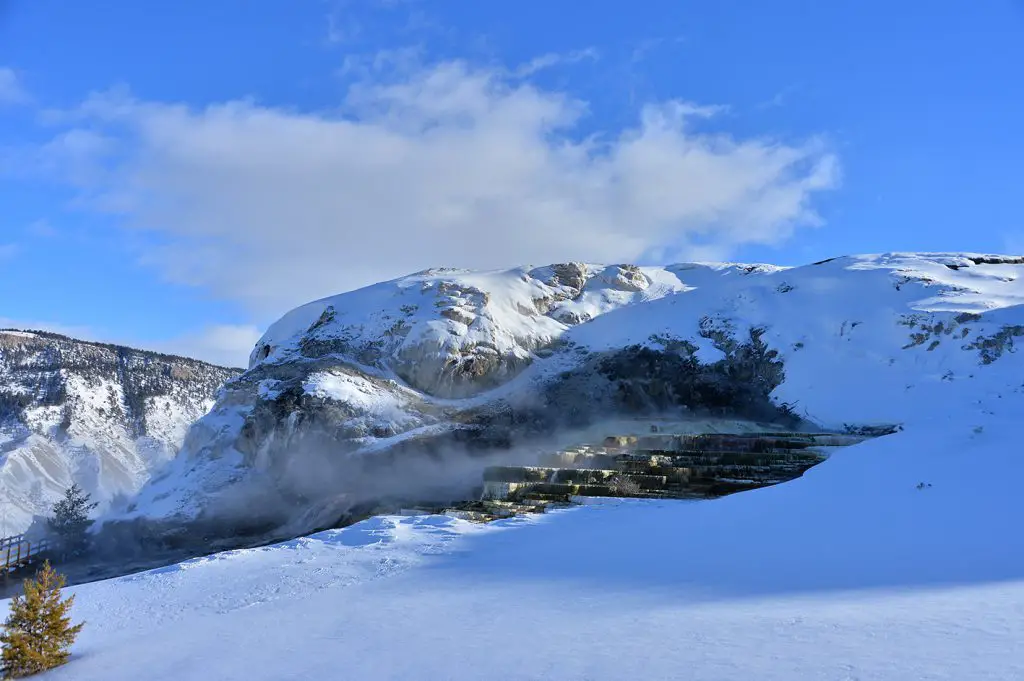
x=91, y=570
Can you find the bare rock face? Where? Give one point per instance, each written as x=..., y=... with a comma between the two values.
x=573, y=275
x=630, y=278
x=443, y=366
x=103, y=416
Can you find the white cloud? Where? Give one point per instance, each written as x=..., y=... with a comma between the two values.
x=780, y=98
x=644, y=48
x=223, y=344
x=11, y=90
x=447, y=165
x=553, y=59
x=76, y=156
x=341, y=29
x=381, y=63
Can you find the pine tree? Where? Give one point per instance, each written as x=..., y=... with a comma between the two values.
x=38, y=633
x=70, y=522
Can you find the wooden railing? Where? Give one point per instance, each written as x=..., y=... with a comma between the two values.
x=19, y=551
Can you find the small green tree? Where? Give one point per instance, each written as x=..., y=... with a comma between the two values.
x=70, y=522
x=38, y=632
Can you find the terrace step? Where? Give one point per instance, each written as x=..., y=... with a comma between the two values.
x=665, y=465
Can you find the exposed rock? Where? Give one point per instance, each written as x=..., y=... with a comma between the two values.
x=997, y=259
x=991, y=348
x=573, y=275
x=674, y=466
x=629, y=278
x=449, y=337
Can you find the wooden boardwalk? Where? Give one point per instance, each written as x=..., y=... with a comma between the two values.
x=19, y=551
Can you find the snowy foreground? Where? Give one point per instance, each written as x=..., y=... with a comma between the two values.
x=851, y=572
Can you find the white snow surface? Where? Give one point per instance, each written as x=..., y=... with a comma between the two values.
x=895, y=559
x=850, y=572
x=890, y=338
x=359, y=394
x=846, y=322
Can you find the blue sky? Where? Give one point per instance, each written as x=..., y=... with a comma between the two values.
x=177, y=175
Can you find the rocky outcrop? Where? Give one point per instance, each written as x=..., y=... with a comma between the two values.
x=103, y=416
x=665, y=466
x=443, y=334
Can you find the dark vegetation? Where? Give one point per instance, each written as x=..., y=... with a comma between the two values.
x=38, y=632
x=145, y=354
x=70, y=523
x=35, y=369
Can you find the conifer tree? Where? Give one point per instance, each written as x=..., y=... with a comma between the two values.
x=38, y=632
x=70, y=522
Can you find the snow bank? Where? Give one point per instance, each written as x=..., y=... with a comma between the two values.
x=851, y=572
x=357, y=392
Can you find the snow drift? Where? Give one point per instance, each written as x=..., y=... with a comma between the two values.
x=851, y=572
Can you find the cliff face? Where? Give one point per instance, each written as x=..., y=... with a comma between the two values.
x=402, y=388
x=103, y=416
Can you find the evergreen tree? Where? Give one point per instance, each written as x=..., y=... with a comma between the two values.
x=38, y=633
x=70, y=522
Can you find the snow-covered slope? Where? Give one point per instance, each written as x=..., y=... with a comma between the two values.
x=399, y=376
x=452, y=333
x=850, y=572
x=892, y=560
x=103, y=416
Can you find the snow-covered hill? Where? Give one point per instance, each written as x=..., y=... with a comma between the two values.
x=894, y=559
x=400, y=387
x=103, y=416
